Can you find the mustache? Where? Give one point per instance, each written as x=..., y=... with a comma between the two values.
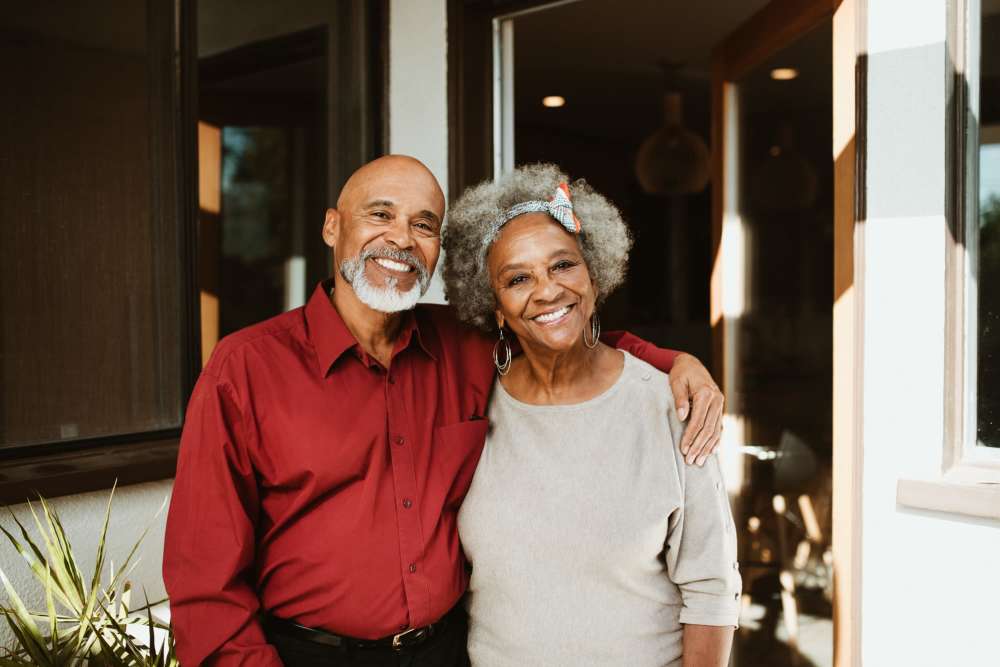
x=397, y=255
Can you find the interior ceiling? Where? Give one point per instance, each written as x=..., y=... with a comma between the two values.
x=603, y=58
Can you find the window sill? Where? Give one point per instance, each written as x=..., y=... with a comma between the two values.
x=969, y=490
x=86, y=469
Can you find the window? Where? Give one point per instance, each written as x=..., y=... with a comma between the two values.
x=93, y=341
x=970, y=483
x=984, y=228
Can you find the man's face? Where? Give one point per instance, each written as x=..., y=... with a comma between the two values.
x=385, y=233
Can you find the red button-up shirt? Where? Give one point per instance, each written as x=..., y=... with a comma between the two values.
x=317, y=485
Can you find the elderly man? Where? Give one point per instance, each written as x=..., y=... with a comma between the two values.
x=326, y=453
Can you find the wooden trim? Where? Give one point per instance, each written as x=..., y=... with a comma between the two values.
x=941, y=495
x=770, y=30
x=849, y=97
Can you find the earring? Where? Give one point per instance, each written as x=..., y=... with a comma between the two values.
x=502, y=367
x=595, y=332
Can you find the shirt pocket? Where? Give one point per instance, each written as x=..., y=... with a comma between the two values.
x=457, y=448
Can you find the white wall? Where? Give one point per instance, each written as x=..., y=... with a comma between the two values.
x=930, y=582
x=134, y=509
x=418, y=92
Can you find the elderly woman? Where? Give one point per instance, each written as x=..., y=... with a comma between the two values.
x=591, y=542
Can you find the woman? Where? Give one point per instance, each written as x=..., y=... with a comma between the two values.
x=591, y=542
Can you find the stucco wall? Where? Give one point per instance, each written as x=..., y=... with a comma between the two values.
x=134, y=509
x=929, y=581
x=418, y=91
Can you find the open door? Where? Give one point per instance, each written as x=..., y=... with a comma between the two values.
x=782, y=315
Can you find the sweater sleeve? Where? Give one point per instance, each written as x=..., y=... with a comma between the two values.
x=701, y=544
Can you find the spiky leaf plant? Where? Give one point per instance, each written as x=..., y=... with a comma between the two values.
x=85, y=622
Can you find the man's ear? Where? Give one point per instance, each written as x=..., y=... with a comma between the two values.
x=331, y=226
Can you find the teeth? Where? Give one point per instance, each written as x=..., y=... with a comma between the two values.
x=393, y=266
x=553, y=316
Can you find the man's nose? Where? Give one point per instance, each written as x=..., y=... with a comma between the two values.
x=400, y=235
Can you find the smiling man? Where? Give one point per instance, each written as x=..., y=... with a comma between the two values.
x=326, y=453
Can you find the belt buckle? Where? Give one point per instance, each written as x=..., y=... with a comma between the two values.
x=397, y=639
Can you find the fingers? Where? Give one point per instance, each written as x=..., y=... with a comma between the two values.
x=709, y=437
x=705, y=428
x=680, y=391
x=699, y=413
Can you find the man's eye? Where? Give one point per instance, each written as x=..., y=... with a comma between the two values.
x=381, y=215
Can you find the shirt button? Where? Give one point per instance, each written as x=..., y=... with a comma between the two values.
x=399, y=440
x=407, y=503
x=413, y=568
x=736, y=565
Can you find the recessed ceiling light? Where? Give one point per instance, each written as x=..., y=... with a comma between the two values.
x=553, y=101
x=784, y=73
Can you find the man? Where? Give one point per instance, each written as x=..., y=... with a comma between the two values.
x=326, y=452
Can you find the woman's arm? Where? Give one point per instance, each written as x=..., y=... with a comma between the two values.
x=707, y=645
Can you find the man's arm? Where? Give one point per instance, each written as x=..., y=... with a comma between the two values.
x=690, y=383
x=209, y=547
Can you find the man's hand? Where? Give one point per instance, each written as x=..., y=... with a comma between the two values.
x=696, y=393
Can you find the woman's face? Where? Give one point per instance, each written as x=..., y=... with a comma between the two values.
x=543, y=288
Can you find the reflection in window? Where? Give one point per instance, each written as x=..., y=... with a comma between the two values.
x=988, y=385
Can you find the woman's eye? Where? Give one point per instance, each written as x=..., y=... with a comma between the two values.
x=564, y=264
x=516, y=280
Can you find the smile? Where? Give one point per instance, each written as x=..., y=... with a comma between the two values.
x=553, y=316
x=392, y=265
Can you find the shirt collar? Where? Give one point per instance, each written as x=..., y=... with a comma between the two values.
x=331, y=338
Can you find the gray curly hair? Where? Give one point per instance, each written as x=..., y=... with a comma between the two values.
x=604, y=237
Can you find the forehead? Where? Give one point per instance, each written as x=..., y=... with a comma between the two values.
x=531, y=237
x=407, y=188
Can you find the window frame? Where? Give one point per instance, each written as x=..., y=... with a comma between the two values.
x=969, y=482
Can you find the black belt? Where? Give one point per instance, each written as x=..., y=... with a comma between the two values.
x=399, y=641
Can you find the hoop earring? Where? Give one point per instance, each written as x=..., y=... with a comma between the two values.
x=595, y=332
x=502, y=367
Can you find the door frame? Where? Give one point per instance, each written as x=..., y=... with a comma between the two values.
x=773, y=28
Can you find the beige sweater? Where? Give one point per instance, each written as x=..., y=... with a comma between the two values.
x=591, y=540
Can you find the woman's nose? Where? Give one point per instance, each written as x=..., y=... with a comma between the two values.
x=547, y=289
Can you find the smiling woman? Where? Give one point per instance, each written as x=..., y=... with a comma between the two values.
x=537, y=256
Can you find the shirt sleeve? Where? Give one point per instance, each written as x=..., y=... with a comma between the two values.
x=209, y=547
x=701, y=544
x=657, y=357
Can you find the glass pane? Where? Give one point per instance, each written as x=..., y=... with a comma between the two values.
x=988, y=385
x=785, y=355
x=262, y=163
x=90, y=340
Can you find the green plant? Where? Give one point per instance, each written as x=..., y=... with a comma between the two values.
x=84, y=622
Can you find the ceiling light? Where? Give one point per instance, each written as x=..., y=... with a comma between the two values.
x=553, y=101
x=784, y=73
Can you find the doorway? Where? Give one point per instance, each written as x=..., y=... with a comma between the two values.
x=711, y=127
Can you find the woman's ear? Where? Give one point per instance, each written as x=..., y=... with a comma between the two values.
x=499, y=318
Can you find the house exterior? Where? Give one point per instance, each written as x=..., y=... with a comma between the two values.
x=916, y=495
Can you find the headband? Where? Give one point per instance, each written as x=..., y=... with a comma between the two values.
x=559, y=208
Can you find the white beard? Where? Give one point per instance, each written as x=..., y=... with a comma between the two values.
x=386, y=299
